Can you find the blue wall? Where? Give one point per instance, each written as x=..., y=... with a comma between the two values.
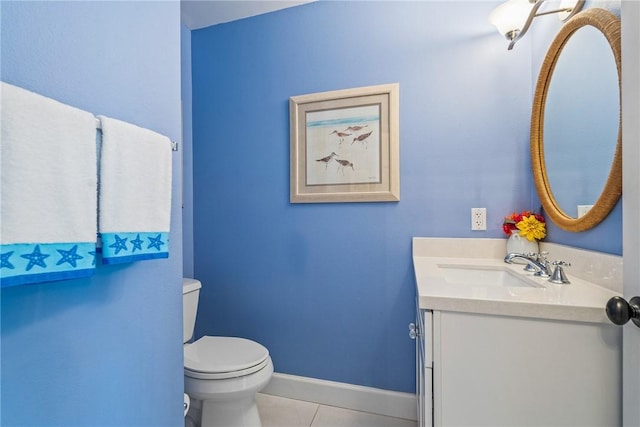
x=104, y=351
x=329, y=288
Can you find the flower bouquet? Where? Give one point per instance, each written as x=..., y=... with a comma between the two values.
x=524, y=230
x=526, y=224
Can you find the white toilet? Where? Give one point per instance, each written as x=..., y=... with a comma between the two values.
x=224, y=373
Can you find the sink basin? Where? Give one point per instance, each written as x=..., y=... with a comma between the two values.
x=485, y=276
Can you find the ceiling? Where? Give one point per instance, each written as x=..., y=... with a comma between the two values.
x=203, y=13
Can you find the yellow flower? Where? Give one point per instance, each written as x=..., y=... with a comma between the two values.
x=531, y=228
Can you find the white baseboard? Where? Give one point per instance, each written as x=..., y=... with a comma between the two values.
x=349, y=396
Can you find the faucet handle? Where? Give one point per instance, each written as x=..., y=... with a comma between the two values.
x=561, y=263
x=558, y=275
x=544, y=261
x=542, y=258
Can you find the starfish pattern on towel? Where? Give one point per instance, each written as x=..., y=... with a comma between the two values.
x=137, y=243
x=120, y=244
x=36, y=258
x=155, y=242
x=69, y=256
x=4, y=260
x=93, y=253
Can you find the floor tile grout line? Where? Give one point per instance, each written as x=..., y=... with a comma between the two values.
x=316, y=417
x=315, y=414
x=357, y=410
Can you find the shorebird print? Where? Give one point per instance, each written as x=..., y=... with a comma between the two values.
x=341, y=135
x=344, y=164
x=327, y=159
x=362, y=138
x=354, y=128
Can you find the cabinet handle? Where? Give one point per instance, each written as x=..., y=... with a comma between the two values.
x=414, y=331
x=619, y=311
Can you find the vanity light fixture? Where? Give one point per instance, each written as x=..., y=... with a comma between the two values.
x=513, y=18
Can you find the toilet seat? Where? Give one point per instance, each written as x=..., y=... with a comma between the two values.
x=224, y=357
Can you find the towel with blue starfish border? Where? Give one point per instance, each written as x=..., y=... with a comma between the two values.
x=28, y=263
x=134, y=246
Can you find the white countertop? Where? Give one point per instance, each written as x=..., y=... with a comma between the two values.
x=580, y=300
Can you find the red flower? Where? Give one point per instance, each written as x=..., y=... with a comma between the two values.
x=510, y=221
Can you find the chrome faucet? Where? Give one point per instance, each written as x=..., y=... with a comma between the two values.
x=535, y=262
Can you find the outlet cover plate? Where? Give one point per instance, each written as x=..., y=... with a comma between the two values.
x=478, y=219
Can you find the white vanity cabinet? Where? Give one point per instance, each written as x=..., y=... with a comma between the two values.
x=491, y=370
x=424, y=365
x=516, y=352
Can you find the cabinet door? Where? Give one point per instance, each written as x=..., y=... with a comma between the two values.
x=420, y=384
x=510, y=371
x=424, y=362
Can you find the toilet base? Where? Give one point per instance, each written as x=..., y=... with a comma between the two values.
x=194, y=416
x=237, y=413
x=228, y=402
x=223, y=414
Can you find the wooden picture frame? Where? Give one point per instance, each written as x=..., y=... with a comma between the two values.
x=345, y=146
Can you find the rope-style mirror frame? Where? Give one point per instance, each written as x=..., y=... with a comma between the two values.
x=609, y=25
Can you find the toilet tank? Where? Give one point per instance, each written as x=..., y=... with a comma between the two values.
x=190, y=294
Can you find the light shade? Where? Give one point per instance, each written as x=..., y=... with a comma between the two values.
x=514, y=17
x=510, y=17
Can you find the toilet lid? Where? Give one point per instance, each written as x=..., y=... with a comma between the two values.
x=221, y=355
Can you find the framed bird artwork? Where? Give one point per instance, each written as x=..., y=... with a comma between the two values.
x=344, y=145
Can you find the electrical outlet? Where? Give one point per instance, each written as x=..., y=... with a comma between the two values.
x=478, y=218
x=583, y=209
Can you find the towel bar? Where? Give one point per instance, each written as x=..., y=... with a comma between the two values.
x=174, y=145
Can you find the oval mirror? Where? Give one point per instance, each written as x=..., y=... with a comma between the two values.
x=576, y=147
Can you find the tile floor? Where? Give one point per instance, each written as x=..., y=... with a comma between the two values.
x=278, y=411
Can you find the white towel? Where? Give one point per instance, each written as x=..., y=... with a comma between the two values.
x=135, y=192
x=49, y=183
